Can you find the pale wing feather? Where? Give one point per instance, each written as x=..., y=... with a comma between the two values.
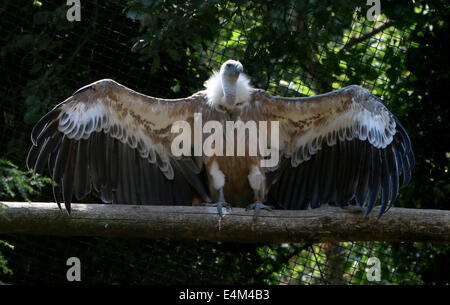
x=344, y=114
x=353, y=126
x=141, y=121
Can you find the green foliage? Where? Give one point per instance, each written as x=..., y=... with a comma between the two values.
x=174, y=30
x=4, y=269
x=15, y=182
x=417, y=257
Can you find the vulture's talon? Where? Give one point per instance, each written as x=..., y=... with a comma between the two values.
x=258, y=206
x=219, y=205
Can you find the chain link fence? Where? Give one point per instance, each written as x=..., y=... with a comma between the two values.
x=42, y=259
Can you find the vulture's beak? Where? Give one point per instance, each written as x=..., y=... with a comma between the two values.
x=231, y=69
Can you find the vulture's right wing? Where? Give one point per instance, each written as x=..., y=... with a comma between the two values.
x=339, y=146
x=116, y=141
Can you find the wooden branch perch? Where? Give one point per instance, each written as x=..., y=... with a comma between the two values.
x=326, y=224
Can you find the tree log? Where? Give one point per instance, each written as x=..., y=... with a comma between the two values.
x=325, y=224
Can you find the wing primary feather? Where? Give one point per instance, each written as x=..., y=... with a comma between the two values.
x=48, y=130
x=385, y=183
x=289, y=192
x=358, y=163
x=191, y=172
x=57, y=194
x=314, y=178
x=398, y=158
x=101, y=159
x=184, y=196
x=280, y=196
x=41, y=124
x=335, y=178
x=144, y=181
x=124, y=182
x=32, y=156
x=42, y=157
x=289, y=197
x=107, y=187
x=155, y=178
x=404, y=135
x=342, y=174
x=406, y=171
x=81, y=171
x=329, y=171
x=113, y=149
x=351, y=177
x=403, y=159
x=61, y=159
x=45, y=149
x=322, y=196
x=93, y=162
x=132, y=175
x=394, y=174
x=165, y=191
x=52, y=158
x=301, y=200
x=69, y=174
x=375, y=182
x=364, y=174
x=122, y=187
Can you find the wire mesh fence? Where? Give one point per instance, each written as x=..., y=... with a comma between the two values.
x=168, y=49
x=42, y=259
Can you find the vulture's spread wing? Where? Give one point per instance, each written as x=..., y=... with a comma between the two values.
x=337, y=147
x=116, y=142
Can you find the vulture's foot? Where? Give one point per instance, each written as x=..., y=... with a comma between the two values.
x=258, y=206
x=219, y=205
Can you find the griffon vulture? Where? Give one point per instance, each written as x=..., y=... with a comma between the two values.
x=338, y=147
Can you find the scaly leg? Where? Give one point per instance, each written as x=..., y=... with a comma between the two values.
x=257, y=205
x=220, y=204
x=258, y=184
x=217, y=182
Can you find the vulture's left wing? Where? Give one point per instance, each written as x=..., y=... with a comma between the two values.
x=337, y=147
x=114, y=141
